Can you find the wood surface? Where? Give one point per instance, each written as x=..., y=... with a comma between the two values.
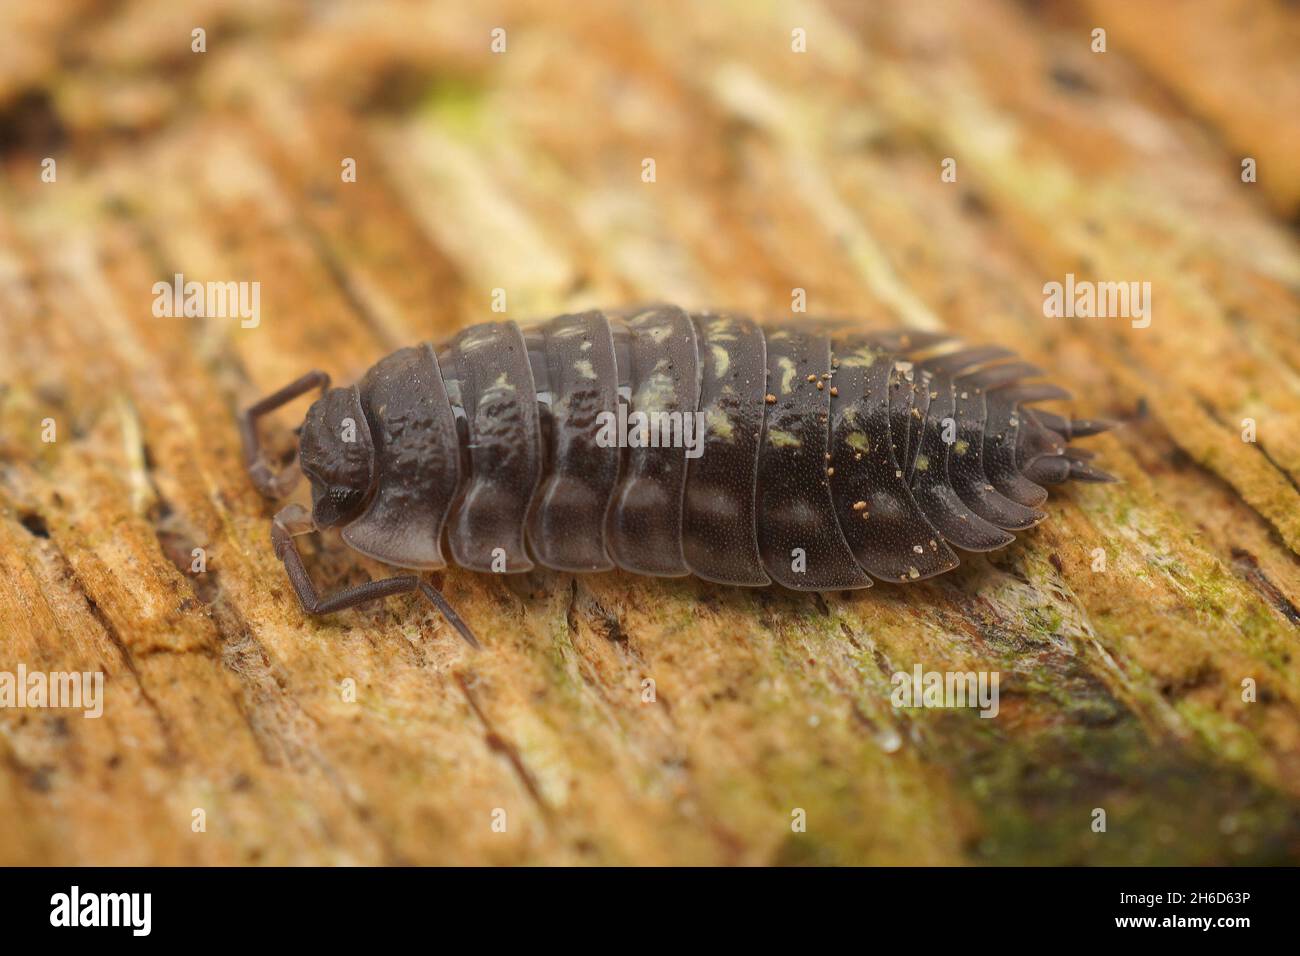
x=1121, y=689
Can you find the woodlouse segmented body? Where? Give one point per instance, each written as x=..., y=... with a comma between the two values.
x=825, y=460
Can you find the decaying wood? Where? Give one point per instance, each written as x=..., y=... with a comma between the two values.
x=1121, y=689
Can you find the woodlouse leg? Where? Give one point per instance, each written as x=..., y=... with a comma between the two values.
x=295, y=520
x=265, y=480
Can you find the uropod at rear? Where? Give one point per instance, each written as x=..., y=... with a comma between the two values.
x=670, y=443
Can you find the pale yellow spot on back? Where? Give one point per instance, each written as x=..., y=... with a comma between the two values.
x=787, y=374
x=719, y=424
x=656, y=392
x=863, y=357
x=721, y=360
x=783, y=439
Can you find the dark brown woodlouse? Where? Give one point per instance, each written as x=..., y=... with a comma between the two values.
x=826, y=458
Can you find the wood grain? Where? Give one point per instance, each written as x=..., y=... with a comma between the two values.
x=1121, y=689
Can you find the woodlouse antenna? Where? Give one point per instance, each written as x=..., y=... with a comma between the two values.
x=265, y=479
x=295, y=520
x=449, y=613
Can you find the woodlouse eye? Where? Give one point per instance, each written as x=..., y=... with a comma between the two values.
x=336, y=505
x=337, y=454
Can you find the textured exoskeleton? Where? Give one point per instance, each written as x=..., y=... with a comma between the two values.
x=824, y=459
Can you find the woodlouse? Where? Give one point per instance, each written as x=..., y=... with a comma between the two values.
x=826, y=460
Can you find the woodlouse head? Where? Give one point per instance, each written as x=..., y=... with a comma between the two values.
x=337, y=454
